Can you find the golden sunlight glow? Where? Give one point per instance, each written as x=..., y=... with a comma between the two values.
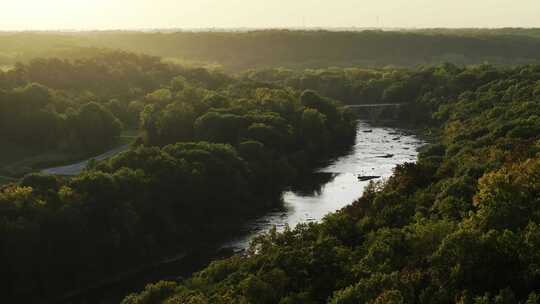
x=118, y=14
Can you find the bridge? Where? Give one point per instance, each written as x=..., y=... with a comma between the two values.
x=378, y=111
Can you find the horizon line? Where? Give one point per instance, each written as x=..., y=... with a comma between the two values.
x=247, y=29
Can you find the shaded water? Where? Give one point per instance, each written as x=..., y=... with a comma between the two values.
x=376, y=152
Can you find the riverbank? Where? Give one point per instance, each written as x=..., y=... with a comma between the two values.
x=331, y=186
x=459, y=225
x=337, y=183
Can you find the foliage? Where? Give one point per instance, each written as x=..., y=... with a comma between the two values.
x=215, y=151
x=245, y=49
x=459, y=226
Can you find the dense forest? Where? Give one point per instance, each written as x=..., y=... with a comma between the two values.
x=459, y=226
x=214, y=150
x=351, y=85
x=240, y=50
x=79, y=107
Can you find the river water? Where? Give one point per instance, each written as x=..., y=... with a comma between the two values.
x=376, y=152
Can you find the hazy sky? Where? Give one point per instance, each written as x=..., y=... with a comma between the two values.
x=137, y=14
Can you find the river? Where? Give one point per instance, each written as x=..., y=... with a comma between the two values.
x=377, y=150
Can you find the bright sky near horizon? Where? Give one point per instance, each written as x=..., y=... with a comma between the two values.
x=146, y=14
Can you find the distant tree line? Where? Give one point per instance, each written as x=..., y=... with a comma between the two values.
x=352, y=85
x=243, y=50
x=361, y=85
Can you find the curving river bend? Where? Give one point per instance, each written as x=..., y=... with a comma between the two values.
x=377, y=150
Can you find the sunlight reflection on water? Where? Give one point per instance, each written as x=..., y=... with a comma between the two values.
x=376, y=152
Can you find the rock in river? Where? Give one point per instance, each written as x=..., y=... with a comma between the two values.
x=367, y=178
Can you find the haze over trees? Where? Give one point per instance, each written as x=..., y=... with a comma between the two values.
x=215, y=149
x=240, y=50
